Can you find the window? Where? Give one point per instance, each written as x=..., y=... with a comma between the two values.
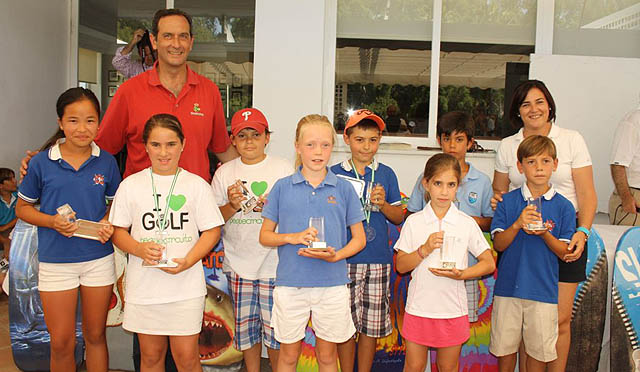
x=384, y=61
x=597, y=28
x=223, y=48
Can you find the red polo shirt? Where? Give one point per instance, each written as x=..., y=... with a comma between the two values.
x=198, y=107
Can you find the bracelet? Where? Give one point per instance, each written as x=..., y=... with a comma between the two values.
x=584, y=230
x=420, y=254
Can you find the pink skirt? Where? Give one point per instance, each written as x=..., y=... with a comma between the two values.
x=435, y=332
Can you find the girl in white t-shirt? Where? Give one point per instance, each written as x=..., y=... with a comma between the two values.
x=436, y=310
x=165, y=208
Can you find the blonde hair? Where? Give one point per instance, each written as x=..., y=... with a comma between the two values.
x=313, y=119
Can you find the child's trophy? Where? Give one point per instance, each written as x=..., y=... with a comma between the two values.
x=537, y=225
x=318, y=224
x=447, y=252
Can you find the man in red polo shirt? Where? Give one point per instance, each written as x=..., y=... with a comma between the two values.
x=170, y=87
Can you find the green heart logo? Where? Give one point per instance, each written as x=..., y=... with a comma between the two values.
x=176, y=202
x=259, y=188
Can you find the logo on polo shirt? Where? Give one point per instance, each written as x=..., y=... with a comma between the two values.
x=196, y=110
x=331, y=199
x=473, y=197
x=98, y=179
x=550, y=225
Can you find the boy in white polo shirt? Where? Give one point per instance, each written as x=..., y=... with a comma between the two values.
x=240, y=187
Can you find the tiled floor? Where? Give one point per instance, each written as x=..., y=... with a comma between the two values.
x=6, y=358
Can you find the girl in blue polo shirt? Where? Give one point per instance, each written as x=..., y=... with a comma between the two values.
x=73, y=170
x=436, y=310
x=311, y=282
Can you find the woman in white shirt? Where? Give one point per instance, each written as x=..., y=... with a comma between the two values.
x=534, y=109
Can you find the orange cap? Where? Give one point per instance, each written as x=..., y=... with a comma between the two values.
x=362, y=114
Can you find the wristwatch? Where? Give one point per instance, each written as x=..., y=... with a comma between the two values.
x=584, y=230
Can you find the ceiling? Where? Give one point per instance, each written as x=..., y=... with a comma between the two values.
x=410, y=66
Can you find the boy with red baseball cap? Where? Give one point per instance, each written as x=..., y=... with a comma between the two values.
x=241, y=186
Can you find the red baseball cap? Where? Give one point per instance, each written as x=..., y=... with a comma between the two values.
x=248, y=118
x=362, y=114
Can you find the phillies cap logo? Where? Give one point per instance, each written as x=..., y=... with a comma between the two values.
x=246, y=115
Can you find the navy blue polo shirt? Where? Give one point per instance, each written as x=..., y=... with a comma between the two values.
x=377, y=250
x=54, y=182
x=290, y=204
x=528, y=269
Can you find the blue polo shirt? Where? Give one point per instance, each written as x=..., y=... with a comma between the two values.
x=528, y=269
x=8, y=210
x=473, y=195
x=377, y=250
x=290, y=203
x=54, y=182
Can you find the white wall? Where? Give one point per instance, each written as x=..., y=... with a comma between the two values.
x=290, y=67
x=592, y=94
x=34, y=64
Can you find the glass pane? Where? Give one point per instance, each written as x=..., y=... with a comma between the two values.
x=104, y=26
x=484, y=54
x=383, y=62
x=605, y=28
x=393, y=83
x=223, y=48
x=384, y=19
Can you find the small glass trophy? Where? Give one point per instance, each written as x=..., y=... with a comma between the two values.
x=369, y=205
x=251, y=202
x=318, y=224
x=161, y=238
x=447, y=253
x=66, y=211
x=538, y=225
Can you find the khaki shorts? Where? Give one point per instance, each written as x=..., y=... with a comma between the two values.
x=63, y=276
x=617, y=216
x=515, y=319
x=328, y=307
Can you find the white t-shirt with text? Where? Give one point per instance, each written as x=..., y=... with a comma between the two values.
x=191, y=209
x=243, y=253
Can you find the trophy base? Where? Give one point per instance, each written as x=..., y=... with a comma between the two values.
x=318, y=245
x=448, y=265
x=161, y=263
x=536, y=227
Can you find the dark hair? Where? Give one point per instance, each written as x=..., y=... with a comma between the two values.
x=536, y=145
x=439, y=163
x=456, y=121
x=166, y=13
x=364, y=124
x=70, y=96
x=167, y=121
x=6, y=174
x=520, y=93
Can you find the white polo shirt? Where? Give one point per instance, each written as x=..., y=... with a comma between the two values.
x=572, y=153
x=625, y=150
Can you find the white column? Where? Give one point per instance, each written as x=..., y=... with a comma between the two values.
x=291, y=69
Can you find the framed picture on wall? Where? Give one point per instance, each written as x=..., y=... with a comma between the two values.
x=113, y=75
x=112, y=90
x=236, y=81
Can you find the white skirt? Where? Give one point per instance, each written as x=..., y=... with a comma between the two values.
x=182, y=318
